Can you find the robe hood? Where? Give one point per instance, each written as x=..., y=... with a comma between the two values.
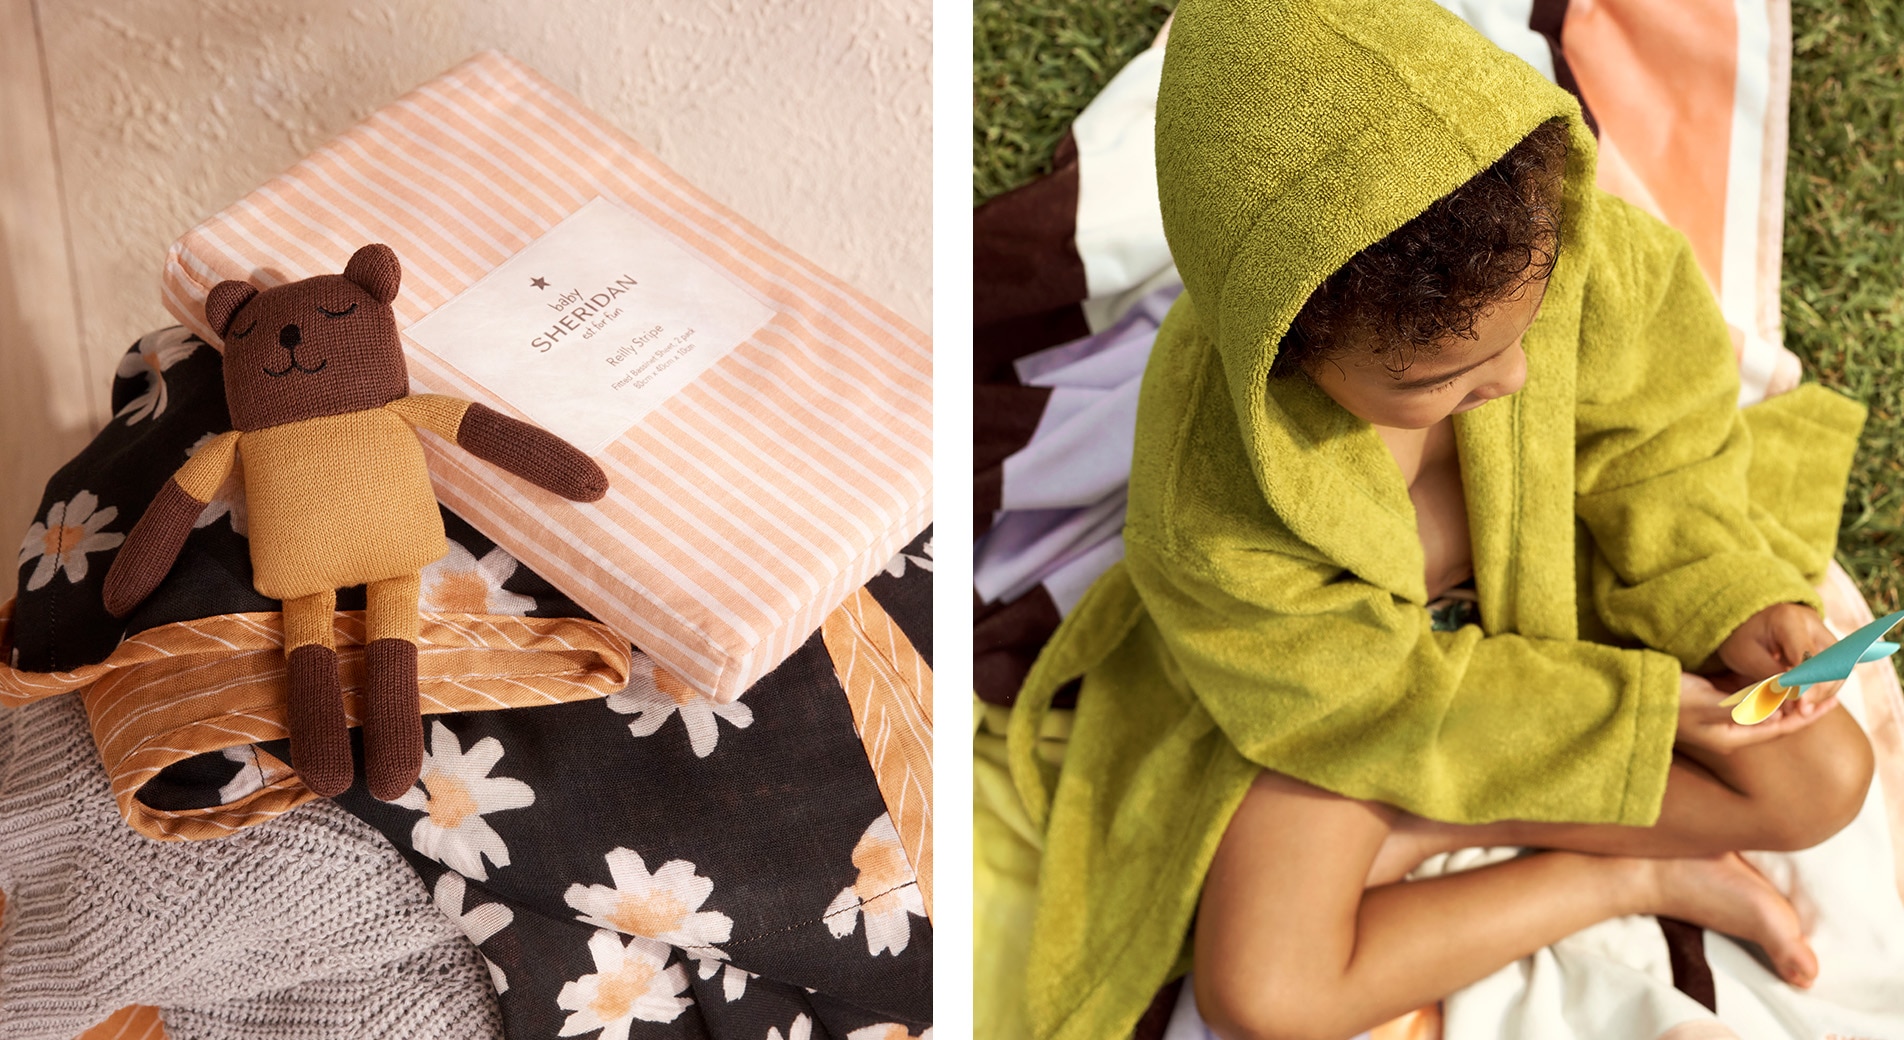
x=1281, y=128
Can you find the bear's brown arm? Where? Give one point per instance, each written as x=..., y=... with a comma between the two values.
x=153, y=545
x=532, y=453
x=151, y=548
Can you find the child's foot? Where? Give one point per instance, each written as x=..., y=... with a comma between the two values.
x=1725, y=894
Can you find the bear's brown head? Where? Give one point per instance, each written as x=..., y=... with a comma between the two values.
x=322, y=346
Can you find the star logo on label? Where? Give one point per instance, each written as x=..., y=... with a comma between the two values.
x=540, y=283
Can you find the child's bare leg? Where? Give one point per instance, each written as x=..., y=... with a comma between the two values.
x=1289, y=944
x=393, y=722
x=1785, y=794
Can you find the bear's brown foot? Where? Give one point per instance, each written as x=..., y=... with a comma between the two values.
x=393, y=725
x=320, y=739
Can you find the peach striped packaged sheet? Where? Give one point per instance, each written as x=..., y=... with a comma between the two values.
x=746, y=503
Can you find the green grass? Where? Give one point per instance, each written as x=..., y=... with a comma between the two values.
x=1844, y=256
x=1035, y=65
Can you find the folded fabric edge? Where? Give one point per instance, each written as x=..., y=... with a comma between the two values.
x=889, y=688
x=199, y=687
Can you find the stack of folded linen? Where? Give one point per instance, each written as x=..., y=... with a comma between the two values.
x=782, y=453
x=575, y=795
x=621, y=835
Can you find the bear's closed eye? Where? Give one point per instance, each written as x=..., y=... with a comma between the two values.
x=246, y=331
x=336, y=314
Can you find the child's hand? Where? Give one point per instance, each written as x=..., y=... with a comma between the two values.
x=1770, y=642
x=1777, y=639
x=1705, y=725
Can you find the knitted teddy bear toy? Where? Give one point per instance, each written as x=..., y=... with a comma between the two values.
x=338, y=494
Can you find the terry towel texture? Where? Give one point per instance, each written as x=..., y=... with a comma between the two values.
x=741, y=511
x=1689, y=107
x=1270, y=610
x=310, y=920
x=1634, y=977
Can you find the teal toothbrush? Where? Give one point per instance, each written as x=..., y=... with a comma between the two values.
x=1757, y=702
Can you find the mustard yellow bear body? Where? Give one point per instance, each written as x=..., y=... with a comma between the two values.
x=306, y=538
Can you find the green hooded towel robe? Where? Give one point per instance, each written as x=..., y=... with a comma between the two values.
x=1270, y=612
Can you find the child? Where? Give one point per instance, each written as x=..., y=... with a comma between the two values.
x=1416, y=346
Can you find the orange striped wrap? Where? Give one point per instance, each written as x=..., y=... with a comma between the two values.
x=889, y=688
x=196, y=687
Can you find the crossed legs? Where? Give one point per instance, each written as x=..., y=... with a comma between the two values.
x=1305, y=932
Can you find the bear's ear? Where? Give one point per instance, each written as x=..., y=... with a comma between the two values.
x=374, y=269
x=223, y=303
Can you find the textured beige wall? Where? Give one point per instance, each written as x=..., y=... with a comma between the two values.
x=811, y=118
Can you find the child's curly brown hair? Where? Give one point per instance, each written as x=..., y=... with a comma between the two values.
x=1431, y=277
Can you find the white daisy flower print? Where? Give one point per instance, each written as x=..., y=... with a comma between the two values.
x=801, y=1029
x=654, y=693
x=664, y=905
x=630, y=982
x=71, y=530
x=459, y=583
x=156, y=352
x=454, y=793
x=886, y=893
x=897, y=568
x=250, y=778
x=228, y=500
x=887, y=1031
x=733, y=980
x=482, y=921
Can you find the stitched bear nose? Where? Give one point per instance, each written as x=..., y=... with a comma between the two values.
x=289, y=337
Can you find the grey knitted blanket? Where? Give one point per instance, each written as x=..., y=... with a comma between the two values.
x=308, y=927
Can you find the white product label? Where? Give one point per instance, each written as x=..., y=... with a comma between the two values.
x=593, y=325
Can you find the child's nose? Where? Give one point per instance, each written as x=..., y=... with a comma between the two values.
x=1509, y=380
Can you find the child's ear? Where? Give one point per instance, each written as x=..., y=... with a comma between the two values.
x=225, y=299
x=374, y=269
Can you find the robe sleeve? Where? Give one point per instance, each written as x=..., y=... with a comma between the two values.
x=1662, y=454
x=1315, y=674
